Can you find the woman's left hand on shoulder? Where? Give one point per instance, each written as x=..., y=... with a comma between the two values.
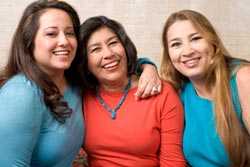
x=149, y=82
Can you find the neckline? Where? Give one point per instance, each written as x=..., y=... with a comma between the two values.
x=197, y=96
x=122, y=99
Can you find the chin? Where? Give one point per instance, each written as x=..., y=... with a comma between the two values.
x=63, y=66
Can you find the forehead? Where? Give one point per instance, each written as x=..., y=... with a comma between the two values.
x=101, y=34
x=181, y=28
x=54, y=17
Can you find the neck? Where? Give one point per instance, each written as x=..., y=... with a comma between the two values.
x=201, y=89
x=115, y=86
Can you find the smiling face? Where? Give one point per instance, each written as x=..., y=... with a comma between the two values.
x=55, y=42
x=107, y=59
x=188, y=49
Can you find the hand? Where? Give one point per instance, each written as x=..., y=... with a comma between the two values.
x=149, y=82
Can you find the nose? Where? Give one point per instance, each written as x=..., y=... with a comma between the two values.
x=107, y=52
x=62, y=40
x=187, y=49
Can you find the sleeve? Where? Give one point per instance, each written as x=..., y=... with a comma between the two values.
x=172, y=121
x=20, y=123
x=140, y=62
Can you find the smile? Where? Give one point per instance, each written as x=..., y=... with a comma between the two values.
x=61, y=52
x=111, y=65
x=191, y=62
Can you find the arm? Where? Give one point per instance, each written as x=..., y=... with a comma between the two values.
x=243, y=80
x=19, y=124
x=149, y=81
x=172, y=119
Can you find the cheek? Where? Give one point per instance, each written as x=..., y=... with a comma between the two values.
x=173, y=55
x=74, y=43
x=209, y=53
x=92, y=63
x=121, y=50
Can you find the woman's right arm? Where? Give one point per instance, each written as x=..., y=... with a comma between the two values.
x=20, y=123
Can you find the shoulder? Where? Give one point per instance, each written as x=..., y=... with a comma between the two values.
x=243, y=81
x=19, y=99
x=19, y=85
x=243, y=74
x=169, y=94
x=167, y=87
x=20, y=105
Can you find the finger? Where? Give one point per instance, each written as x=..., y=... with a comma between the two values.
x=159, y=87
x=141, y=88
x=154, y=91
x=147, y=91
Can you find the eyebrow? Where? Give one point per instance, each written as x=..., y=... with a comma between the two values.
x=178, y=39
x=55, y=27
x=97, y=44
x=195, y=33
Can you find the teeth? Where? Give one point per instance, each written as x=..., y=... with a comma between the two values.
x=111, y=64
x=61, y=52
x=191, y=62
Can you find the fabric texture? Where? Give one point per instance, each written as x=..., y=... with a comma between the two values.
x=145, y=133
x=201, y=142
x=29, y=135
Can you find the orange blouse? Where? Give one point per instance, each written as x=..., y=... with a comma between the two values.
x=145, y=133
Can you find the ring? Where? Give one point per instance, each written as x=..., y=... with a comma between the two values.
x=155, y=89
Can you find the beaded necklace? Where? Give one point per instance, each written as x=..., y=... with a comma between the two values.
x=121, y=101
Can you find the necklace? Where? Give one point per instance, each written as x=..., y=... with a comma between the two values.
x=121, y=101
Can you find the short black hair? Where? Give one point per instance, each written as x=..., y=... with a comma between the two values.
x=90, y=26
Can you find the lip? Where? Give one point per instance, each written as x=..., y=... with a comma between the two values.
x=192, y=62
x=111, y=65
x=61, y=52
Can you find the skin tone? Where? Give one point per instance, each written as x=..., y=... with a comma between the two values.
x=190, y=54
x=107, y=60
x=107, y=53
x=243, y=80
x=55, y=48
x=148, y=79
x=55, y=45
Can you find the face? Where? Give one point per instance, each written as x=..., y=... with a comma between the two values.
x=189, y=51
x=55, y=42
x=107, y=59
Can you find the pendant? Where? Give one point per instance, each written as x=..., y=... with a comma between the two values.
x=121, y=101
x=113, y=114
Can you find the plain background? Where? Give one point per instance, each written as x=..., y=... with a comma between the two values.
x=144, y=20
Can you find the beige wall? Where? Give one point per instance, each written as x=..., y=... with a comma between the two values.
x=144, y=19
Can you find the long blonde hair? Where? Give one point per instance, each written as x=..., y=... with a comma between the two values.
x=217, y=78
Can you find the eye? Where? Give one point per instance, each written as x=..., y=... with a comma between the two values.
x=175, y=44
x=95, y=50
x=51, y=34
x=70, y=33
x=196, y=38
x=113, y=42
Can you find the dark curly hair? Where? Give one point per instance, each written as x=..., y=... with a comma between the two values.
x=21, y=58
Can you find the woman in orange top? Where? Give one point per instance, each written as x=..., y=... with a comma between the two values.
x=121, y=131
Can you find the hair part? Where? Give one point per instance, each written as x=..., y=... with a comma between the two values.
x=217, y=79
x=90, y=26
x=21, y=58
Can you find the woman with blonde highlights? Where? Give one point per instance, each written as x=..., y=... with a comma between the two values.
x=213, y=88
